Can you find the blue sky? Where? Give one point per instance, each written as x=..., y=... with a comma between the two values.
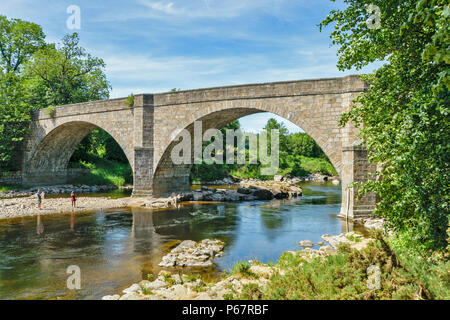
x=152, y=46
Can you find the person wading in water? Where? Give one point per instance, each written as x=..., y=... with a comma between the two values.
x=74, y=199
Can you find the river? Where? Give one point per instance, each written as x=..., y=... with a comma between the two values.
x=115, y=248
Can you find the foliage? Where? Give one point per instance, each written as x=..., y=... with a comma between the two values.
x=299, y=156
x=301, y=144
x=4, y=188
x=50, y=111
x=105, y=159
x=64, y=74
x=404, y=115
x=344, y=276
x=241, y=268
x=130, y=100
x=14, y=119
x=18, y=41
x=36, y=75
x=104, y=172
x=98, y=145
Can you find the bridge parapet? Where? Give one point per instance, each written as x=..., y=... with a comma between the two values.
x=346, y=84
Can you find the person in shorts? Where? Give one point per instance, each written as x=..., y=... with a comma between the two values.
x=74, y=199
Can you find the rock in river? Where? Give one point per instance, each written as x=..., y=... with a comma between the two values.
x=192, y=254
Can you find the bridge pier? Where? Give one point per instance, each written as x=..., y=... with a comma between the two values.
x=356, y=168
x=143, y=172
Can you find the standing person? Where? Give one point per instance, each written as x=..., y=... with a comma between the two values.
x=74, y=199
x=39, y=198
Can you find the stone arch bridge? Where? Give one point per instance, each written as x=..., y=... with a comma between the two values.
x=144, y=131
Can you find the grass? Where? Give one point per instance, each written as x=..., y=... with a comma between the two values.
x=241, y=268
x=169, y=280
x=146, y=291
x=191, y=277
x=344, y=276
x=319, y=165
x=5, y=188
x=104, y=172
x=353, y=238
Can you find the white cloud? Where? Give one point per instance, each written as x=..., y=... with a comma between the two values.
x=202, y=9
x=157, y=74
x=166, y=8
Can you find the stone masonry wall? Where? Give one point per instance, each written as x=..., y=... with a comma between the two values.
x=145, y=131
x=313, y=105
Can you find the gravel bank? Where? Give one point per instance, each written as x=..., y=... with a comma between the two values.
x=27, y=206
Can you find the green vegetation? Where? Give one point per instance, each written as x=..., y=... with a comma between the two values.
x=50, y=111
x=104, y=172
x=345, y=276
x=59, y=74
x=14, y=118
x=299, y=156
x=105, y=159
x=130, y=100
x=36, y=75
x=4, y=188
x=191, y=277
x=404, y=116
x=146, y=291
x=241, y=268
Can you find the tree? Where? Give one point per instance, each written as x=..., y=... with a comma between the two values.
x=18, y=41
x=302, y=144
x=14, y=119
x=66, y=74
x=98, y=145
x=273, y=124
x=403, y=118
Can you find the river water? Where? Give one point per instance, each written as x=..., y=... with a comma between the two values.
x=115, y=248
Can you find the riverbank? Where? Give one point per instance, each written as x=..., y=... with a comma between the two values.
x=173, y=285
x=27, y=206
x=56, y=190
x=348, y=266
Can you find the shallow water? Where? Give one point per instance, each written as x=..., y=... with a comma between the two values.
x=115, y=248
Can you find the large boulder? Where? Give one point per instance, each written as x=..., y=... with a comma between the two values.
x=306, y=244
x=244, y=190
x=193, y=254
x=263, y=194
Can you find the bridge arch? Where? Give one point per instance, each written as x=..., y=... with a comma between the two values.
x=170, y=177
x=49, y=156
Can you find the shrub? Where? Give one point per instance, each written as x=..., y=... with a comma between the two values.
x=50, y=111
x=129, y=101
x=241, y=268
x=344, y=276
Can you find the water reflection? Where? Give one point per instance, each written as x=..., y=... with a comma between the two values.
x=72, y=221
x=117, y=247
x=39, y=225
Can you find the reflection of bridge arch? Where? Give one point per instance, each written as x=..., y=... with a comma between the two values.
x=144, y=130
